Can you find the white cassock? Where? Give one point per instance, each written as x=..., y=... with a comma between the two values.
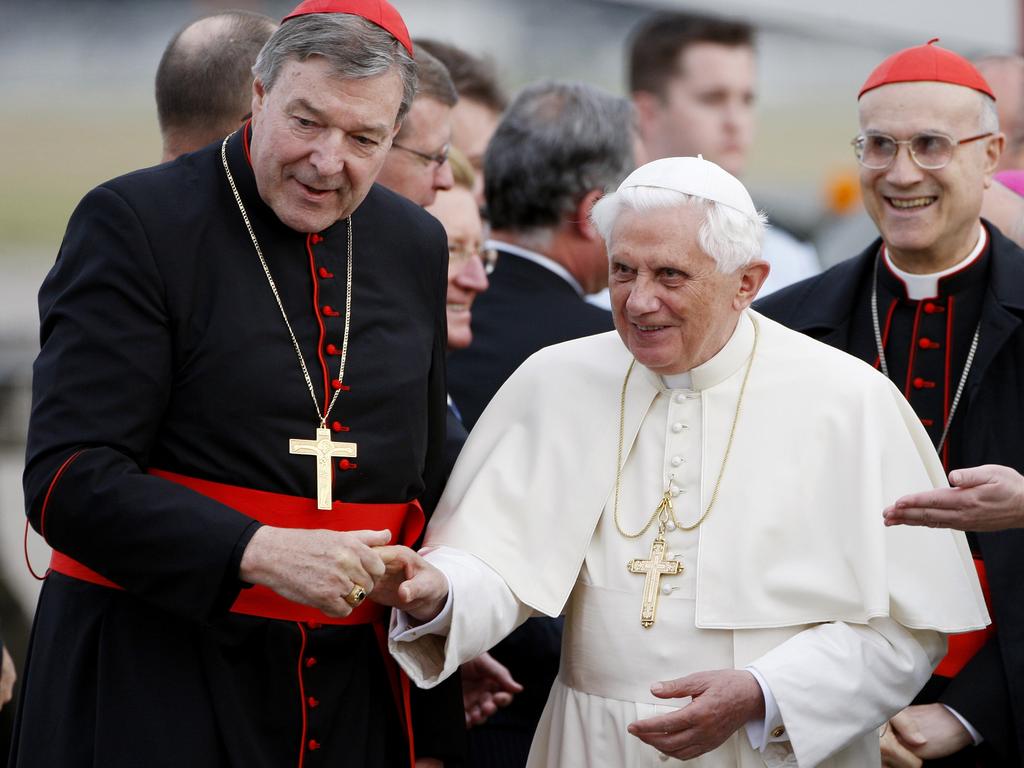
x=792, y=575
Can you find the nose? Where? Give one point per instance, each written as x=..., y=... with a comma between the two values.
x=642, y=297
x=472, y=276
x=443, y=177
x=328, y=156
x=903, y=171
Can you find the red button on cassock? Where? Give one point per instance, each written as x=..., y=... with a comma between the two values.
x=313, y=745
x=333, y=350
x=931, y=308
x=325, y=274
x=337, y=426
x=311, y=662
x=920, y=383
x=317, y=239
x=329, y=311
x=313, y=703
x=345, y=464
x=925, y=343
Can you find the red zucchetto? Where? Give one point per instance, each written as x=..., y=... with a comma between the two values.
x=926, y=63
x=379, y=12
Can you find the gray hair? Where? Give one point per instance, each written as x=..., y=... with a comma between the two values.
x=554, y=144
x=988, y=120
x=730, y=237
x=354, y=48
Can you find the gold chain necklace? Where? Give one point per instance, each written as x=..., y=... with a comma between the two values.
x=658, y=564
x=322, y=447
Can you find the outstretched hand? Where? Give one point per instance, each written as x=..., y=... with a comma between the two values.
x=985, y=498
x=410, y=583
x=487, y=685
x=723, y=701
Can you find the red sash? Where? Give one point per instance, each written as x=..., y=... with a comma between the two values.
x=963, y=647
x=405, y=521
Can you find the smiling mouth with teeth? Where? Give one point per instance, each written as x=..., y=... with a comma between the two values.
x=916, y=202
x=649, y=327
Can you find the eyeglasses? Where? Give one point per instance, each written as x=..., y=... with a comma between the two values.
x=440, y=158
x=930, y=151
x=458, y=255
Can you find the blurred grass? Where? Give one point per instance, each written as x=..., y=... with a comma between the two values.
x=51, y=156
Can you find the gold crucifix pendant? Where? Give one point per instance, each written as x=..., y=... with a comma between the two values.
x=324, y=449
x=654, y=568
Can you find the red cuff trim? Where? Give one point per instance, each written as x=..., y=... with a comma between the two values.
x=42, y=512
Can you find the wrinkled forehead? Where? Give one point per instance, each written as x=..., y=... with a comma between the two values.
x=903, y=109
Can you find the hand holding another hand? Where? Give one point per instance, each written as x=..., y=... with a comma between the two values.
x=314, y=567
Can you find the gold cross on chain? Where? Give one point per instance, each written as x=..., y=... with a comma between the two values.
x=324, y=449
x=654, y=568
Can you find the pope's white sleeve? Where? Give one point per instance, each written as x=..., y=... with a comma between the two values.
x=836, y=681
x=480, y=611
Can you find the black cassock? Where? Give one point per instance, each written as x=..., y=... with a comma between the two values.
x=163, y=347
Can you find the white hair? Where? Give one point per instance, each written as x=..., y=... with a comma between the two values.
x=731, y=238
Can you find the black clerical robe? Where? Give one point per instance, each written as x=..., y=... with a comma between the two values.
x=926, y=346
x=162, y=347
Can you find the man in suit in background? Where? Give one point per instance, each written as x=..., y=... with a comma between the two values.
x=556, y=150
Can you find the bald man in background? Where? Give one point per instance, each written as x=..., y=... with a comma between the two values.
x=204, y=80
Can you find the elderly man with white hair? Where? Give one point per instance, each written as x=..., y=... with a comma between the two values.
x=701, y=494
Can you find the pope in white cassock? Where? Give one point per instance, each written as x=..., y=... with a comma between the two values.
x=701, y=495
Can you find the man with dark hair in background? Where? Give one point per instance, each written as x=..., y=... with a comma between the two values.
x=204, y=80
x=558, y=148
x=481, y=102
x=693, y=80
x=417, y=164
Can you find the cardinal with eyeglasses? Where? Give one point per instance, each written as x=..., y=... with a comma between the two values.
x=937, y=305
x=700, y=492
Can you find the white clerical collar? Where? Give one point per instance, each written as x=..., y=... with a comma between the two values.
x=537, y=258
x=927, y=286
x=720, y=367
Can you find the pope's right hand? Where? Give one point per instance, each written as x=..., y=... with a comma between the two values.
x=317, y=568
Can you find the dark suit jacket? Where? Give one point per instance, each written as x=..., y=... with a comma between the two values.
x=993, y=407
x=526, y=308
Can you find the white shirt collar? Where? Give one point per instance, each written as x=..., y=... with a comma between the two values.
x=722, y=365
x=537, y=258
x=927, y=286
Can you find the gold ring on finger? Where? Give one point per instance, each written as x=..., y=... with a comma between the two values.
x=356, y=596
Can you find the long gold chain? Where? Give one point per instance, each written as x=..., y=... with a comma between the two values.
x=280, y=305
x=665, y=512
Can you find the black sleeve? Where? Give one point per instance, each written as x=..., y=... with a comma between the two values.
x=979, y=694
x=439, y=722
x=100, y=386
x=435, y=473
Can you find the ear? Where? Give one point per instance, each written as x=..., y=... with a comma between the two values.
x=993, y=151
x=581, y=222
x=752, y=277
x=259, y=95
x=648, y=107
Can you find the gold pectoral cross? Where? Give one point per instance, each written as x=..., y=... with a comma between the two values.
x=324, y=449
x=654, y=568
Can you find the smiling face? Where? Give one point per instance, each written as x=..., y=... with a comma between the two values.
x=928, y=219
x=457, y=211
x=318, y=141
x=672, y=308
